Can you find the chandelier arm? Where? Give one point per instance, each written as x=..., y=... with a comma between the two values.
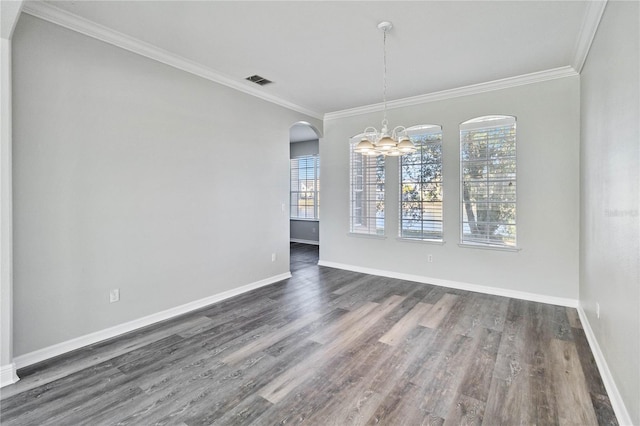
x=397, y=130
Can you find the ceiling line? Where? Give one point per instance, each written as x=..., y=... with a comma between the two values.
x=94, y=30
x=504, y=83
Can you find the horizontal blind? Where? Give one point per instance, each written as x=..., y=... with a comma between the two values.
x=366, y=193
x=305, y=187
x=488, y=181
x=421, y=186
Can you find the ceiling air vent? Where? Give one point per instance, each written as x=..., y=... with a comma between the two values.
x=259, y=80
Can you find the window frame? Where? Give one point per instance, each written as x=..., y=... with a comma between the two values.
x=315, y=160
x=487, y=240
x=416, y=134
x=372, y=168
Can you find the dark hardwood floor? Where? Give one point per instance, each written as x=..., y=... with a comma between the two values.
x=329, y=347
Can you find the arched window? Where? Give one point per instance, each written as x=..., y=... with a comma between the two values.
x=366, y=204
x=488, y=181
x=421, y=185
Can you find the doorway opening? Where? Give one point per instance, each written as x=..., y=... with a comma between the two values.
x=304, y=196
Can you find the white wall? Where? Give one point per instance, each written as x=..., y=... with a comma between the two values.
x=548, y=194
x=131, y=174
x=610, y=196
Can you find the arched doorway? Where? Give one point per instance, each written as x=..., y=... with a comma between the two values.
x=304, y=197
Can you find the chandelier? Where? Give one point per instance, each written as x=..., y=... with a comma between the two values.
x=396, y=142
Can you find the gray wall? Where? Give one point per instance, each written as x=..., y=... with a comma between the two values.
x=610, y=202
x=307, y=230
x=124, y=177
x=548, y=194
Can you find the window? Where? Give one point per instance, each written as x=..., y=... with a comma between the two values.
x=421, y=185
x=488, y=181
x=366, y=192
x=305, y=187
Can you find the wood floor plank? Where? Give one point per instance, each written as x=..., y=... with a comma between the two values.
x=574, y=318
x=588, y=362
x=465, y=411
x=542, y=328
x=439, y=311
x=509, y=397
x=353, y=285
x=405, y=325
x=402, y=406
x=561, y=324
x=570, y=385
x=479, y=371
x=344, y=323
x=445, y=379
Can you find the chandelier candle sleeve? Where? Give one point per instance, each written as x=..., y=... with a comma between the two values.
x=390, y=144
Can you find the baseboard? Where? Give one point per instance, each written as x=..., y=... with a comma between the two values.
x=298, y=240
x=496, y=291
x=8, y=375
x=624, y=419
x=89, y=339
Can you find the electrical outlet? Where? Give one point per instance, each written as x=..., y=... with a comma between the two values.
x=598, y=310
x=430, y=258
x=273, y=257
x=114, y=295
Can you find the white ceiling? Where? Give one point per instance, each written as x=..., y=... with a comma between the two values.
x=326, y=56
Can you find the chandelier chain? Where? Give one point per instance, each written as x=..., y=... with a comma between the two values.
x=384, y=75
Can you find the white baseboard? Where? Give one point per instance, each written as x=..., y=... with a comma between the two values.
x=8, y=375
x=624, y=419
x=89, y=339
x=496, y=291
x=298, y=240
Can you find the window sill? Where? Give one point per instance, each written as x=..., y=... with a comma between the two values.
x=418, y=241
x=304, y=220
x=367, y=236
x=489, y=247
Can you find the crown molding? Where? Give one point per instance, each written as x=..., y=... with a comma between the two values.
x=474, y=89
x=68, y=20
x=590, y=23
x=9, y=14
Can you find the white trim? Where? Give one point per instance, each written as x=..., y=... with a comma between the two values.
x=8, y=375
x=98, y=336
x=298, y=240
x=6, y=210
x=624, y=419
x=489, y=247
x=419, y=241
x=53, y=14
x=369, y=236
x=9, y=16
x=523, y=295
x=474, y=89
x=590, y=23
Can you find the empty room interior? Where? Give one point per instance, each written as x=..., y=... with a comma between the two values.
x=320, y=212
